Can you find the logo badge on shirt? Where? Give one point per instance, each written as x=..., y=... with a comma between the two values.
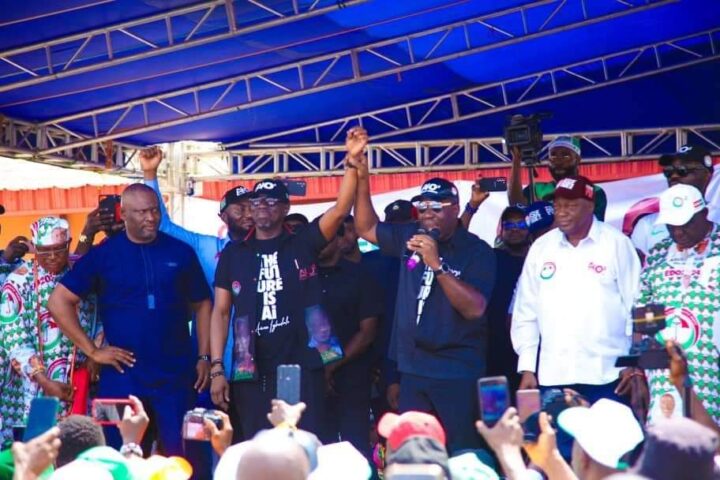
x=236, y=288
x=682, y=326
x=596, y=268
x=548, y=270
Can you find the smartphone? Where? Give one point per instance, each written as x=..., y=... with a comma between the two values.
x=109, y=411
x=410, y=471
x=296, y=188
x=494, y=184
x=493, y=398
x=528, y=402
x=288, y=384
x=42, y=417
x=110, y=204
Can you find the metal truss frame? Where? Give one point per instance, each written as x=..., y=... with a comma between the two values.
x=23, y=140
x=143, y=47
x=341, y=68
x=456, y=154
x=650, y=59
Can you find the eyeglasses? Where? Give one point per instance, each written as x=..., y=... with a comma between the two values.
x=682, y=170
x=436, y=207
x=521, y=225
x=265, y=201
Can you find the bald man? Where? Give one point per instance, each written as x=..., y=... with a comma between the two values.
x=147, y=284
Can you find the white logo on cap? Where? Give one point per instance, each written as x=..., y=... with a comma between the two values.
x=240, y=191
x=265, y=186
x=431, y=188
x=568, y=183
x=685, y=149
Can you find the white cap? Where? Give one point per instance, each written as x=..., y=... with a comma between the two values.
x=606, y=431
x=678, y=204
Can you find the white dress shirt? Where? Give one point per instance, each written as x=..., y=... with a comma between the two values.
x=578, y=300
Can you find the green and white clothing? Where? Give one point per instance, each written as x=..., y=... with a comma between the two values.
x=20, y=308
x=5, y=270
x=687, y=282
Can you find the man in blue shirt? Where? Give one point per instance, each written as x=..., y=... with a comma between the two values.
x=147, y=285
x=439, y=335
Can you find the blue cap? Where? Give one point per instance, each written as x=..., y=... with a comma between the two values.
x=539, y=215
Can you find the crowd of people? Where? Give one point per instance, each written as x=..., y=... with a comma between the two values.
x=390, y=344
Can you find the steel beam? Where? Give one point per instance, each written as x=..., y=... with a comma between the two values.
x=343, y=68
x=171, y=39
x=454, y=154
x=516, y=92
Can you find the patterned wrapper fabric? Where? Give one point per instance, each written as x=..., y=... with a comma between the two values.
x=687, y=282
x=19, y=342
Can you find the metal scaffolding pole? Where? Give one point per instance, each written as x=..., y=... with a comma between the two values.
x=55, y=63
x=338, y=69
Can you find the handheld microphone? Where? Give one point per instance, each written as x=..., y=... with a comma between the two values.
x=415, y=258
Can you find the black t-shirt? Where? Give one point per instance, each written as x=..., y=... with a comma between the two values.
x=430, y=338
x=502, y=359
x=272, y=283
x=350, y=295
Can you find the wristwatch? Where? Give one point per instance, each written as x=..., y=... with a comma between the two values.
x=444, y=268
x=82, y=238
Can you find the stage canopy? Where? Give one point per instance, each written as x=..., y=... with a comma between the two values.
x=85, y=79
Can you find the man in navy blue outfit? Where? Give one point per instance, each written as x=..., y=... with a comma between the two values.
x=147, y=286
x=439, y=337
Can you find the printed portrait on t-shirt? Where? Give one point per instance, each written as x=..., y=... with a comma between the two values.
x=243, y=361
x=321, y=335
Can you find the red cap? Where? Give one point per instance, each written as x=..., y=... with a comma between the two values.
x=573, y=188
x=398, y=428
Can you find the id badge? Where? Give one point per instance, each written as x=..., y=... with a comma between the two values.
x=321, y=335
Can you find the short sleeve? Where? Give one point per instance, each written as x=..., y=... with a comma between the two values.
x=222, y=272
x=480, y=271
x=392, y=238
x=199, y=289
x=311, y=237
x=82, y=279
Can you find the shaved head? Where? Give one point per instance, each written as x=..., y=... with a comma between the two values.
x=273, y=459
x=140, y=212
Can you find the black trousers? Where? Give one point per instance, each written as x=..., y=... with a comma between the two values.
x=453, y=402
x=348, y=412
x=250, y=403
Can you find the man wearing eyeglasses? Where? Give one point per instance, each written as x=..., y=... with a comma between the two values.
x=439, y=335
x=41, y=356
x=271, y=279
x=691, y=165
x=563, y=161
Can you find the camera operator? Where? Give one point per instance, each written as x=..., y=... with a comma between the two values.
x=564, y=161
x=682, y=273
x=574, y=299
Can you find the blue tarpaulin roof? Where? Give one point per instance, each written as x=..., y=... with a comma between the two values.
x=516, y=45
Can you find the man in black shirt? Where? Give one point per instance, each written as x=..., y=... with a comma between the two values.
x=351, y=301
x=439, y=335
x=271, y=279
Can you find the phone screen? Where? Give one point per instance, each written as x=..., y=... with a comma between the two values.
x=494, y=184
x=288, y=383
x=494, y=399
x=528, y=402
x=109, y=411
x=42, y=417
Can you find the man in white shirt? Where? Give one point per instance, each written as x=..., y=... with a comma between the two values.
x=575, y=292
x=691, y=165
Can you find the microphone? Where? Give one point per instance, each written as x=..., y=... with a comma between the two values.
x=415, y=258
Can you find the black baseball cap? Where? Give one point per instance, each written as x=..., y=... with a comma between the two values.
x=271, y=188
x=234, y=195
x=437, y=189
x=399, y=211
x=689, y=153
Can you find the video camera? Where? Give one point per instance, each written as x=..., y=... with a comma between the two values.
x=524, y=133
x=646, y=352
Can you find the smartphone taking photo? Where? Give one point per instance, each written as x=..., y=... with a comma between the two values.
x=288, y=384
x=42, y=417
x=493, y=398
x=110, y=411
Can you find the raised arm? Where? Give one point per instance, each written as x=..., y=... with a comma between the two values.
x=331, y=220
x=515, y=188
x=366, y=219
